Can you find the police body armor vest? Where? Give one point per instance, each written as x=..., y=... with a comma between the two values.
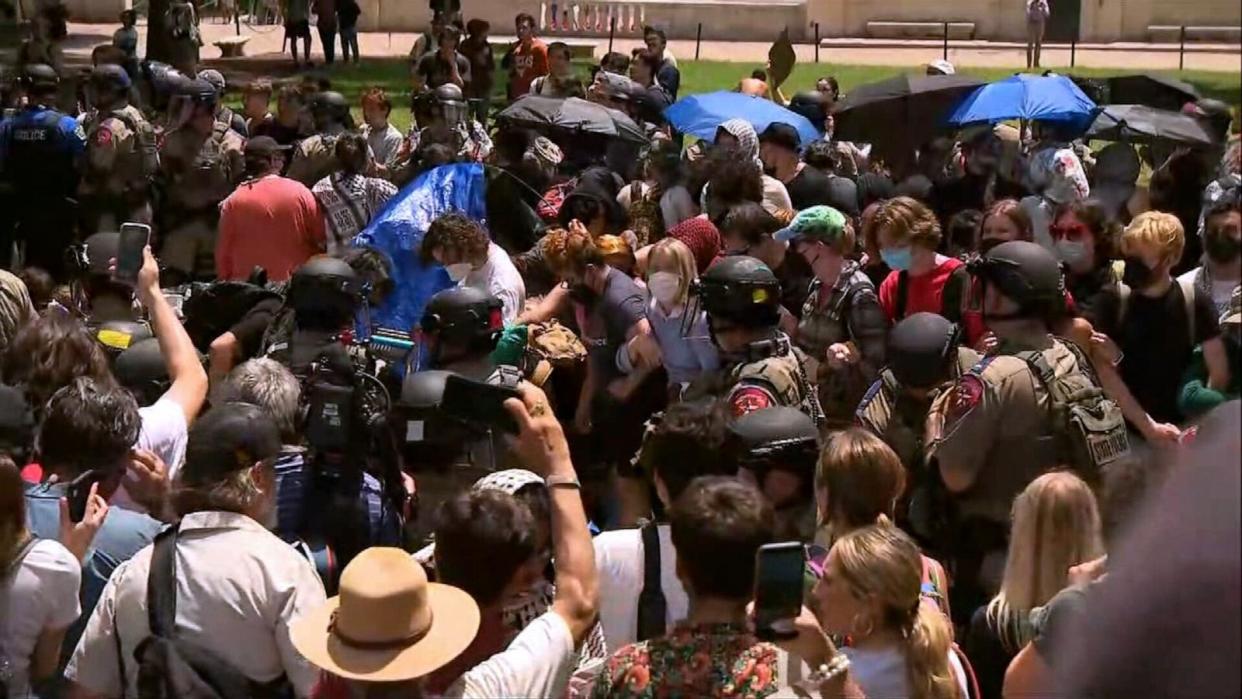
x=780, y=367
x=1088, y=427
x=145, y=154
x=37, y=151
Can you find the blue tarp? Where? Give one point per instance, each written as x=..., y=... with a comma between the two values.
x=398, y=231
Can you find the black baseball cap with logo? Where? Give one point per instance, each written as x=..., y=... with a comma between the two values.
x=781, y=134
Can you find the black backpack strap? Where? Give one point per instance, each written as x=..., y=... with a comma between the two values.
x=162, y=585
x=903, y=290
x=952, y=299
x=652, y=607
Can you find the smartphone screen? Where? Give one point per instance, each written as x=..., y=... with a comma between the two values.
x=479, y=403
x=778, y=589
x=134, y=237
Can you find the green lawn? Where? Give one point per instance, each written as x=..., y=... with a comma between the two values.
x=706, y=76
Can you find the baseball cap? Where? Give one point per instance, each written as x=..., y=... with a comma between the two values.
x=781, y=134
x=229, y=438
x=264, y=145
x=822, y=223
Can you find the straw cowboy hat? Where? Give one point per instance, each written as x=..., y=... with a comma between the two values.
x=388, y=624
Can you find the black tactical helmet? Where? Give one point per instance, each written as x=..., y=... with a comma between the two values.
x=449, y=93
x=117, y=336
x=142, y=370
x=810, y=104
x=198, y=91
x=110, y=77
x=331, y=105
x=423, y=390
x=1025, y=272
x=741, y=290
x=463, y=314
x=100, y=249
x=780, y=437
x=40, y=76
x=324, y=292
x=920, y=349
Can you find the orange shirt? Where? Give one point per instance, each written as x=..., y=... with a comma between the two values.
x=529, y=62
x=272, y=222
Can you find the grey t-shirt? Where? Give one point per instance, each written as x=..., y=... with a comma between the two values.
x=607, y=319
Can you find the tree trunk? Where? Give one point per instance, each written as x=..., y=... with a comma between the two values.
x=159, y=34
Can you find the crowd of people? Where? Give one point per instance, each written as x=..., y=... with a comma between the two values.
x=957, y=378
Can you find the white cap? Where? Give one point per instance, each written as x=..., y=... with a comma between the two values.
x=941, y=66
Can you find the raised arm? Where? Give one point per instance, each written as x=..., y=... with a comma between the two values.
x=189, y=380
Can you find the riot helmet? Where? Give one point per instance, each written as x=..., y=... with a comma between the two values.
x=330, y=111
x=1025, y=272
x=159, y=84
x=191, y=96
x=425, y=425
x=324, y=293
x=450, y=103
x=108, y=84
x=921, y=350
x=464, y=317
x=40, y=79
x=117, y=336
x=779, y=437
x=740, y=290
x=141, y=369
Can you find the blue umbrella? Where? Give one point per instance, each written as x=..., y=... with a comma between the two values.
x=1038, y=98
x=701, y=115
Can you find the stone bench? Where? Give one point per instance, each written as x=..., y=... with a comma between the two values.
x=232, y=47
x=920, y=30
x=1171, y=34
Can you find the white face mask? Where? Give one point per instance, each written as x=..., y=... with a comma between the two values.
x=665, y=287
x=458, y=272
x=1072, y=252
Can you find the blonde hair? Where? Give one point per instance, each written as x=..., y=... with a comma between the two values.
x=882, y=562
x=907, y=220
x=1158, y=229
x=863, y=477
x=1056, y=525
x=672, y=255
x=616, y=252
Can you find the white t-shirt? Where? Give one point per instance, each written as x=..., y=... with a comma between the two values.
x=620, y=562
x=775, y=196
x=385, y=143
x=43, y=596
x=1221, y=290
x=882, y=672
x=501, y=279
x=537, y=663
x=164, y=432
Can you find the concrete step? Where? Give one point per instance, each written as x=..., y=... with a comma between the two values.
x=1172, y=34
x=920, y=30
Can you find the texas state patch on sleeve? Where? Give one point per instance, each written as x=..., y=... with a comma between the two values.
x=748, y=399
x=967, y=393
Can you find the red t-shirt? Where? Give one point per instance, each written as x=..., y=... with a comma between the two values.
x=529, y=62
x=924, y=293
x=272, y=222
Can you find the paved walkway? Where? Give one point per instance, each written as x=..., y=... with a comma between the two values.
x=267, y=40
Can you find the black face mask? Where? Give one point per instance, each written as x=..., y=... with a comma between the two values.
x=1137, y=275
x=1222, y=247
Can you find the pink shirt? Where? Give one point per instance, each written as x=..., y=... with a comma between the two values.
x=272, y=222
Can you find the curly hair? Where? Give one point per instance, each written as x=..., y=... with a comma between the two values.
x=734, y=179
x=49, y=354
x=569, y=252
x=907, y=220
x=456, y=232
x=1105, y=230
x=482, y=538
x=353, y=153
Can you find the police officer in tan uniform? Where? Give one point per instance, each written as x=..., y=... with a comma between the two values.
x=121, y=157
x=925, y=357
x=201, y=163
x=315, y=157
x=1003, y=423
x=762, y=367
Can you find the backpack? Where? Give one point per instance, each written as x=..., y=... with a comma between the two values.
x=652, y=607
x=170, y=666
x=1089, y=428
x=1188, y=297
x=144, y=136
x=646, y=219
x=6, y=581
x=952, y=298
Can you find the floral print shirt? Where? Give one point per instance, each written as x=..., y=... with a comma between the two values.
x=710, y=660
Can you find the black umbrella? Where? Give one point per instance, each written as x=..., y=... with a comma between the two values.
x=911, y=107
x=572, y=115
x=1151, y=90
x=1137, y=123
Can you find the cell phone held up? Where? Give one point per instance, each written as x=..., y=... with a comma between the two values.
x=478, y=403
x=129, y=258
x=79, y=492
x=779, y=571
